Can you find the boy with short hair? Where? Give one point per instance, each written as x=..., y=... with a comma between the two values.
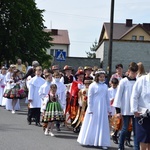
x=33, y=96
x=122, y=104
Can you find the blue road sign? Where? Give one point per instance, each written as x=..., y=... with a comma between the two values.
x=60, y=56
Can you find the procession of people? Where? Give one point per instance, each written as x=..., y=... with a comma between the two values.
x=83, y=101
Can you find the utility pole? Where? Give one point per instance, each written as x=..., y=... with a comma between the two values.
x=110, y=40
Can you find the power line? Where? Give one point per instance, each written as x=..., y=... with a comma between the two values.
x=74, y=15
x=81, y=41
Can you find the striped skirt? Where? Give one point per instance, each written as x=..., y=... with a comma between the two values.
x=53, y=112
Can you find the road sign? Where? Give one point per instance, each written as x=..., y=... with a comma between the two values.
x=60, y=56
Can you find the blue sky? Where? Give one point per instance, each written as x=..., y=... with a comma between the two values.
x=84, y=18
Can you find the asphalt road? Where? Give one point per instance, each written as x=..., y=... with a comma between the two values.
x=16, y=134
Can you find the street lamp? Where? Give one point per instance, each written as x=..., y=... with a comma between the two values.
x=110, y=40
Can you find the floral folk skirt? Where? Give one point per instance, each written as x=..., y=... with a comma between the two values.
x=53, y=112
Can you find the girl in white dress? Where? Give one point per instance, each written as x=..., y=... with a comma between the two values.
x=2, y=83
x=95, y=128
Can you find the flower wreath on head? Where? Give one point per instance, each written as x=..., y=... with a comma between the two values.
x=100, y=72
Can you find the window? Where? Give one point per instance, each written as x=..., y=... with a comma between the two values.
x=134, y=37
x=52, y=52
x=141, y=38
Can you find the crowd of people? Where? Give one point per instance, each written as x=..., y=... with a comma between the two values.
x=95, y=108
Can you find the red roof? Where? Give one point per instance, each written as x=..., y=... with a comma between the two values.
x=59, y=36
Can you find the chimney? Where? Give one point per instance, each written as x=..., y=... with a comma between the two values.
x=54, y=31
x=128, y=22
x=147, y=26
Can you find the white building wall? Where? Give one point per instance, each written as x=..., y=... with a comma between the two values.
x=100, y=52
x=65, y=48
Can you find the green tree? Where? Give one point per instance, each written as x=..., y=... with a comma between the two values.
x=22, y=32
x=92, y=53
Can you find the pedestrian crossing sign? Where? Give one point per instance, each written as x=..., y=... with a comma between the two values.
x=60, y=56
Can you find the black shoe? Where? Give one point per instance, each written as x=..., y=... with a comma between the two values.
x=115, y=139
x=76, y=130
x=38, y=124
x=58, y=129
x=127, y=143
x=29, y=122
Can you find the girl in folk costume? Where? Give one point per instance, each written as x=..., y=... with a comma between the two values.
x=95, y=128
x=53, y=109
x=9, y=81
x=72, y=106
x=61, y=92
x=33, y=96
x=43, y=91
x=82, y=100
x=2, y=83
x=14, y=92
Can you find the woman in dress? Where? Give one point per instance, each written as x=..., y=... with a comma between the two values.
x=95, y=128
x=54, y=111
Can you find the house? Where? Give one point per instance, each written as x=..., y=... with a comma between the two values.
x=131, y=42
x=60, y=41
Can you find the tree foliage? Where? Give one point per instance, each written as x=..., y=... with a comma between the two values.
x=22, y=31
x=92, y=53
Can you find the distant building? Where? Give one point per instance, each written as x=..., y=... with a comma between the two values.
x=131, y=42
x=60, y=41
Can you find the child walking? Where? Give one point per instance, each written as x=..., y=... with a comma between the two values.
x=114, y=121
x=53, y=110
x=122, y=104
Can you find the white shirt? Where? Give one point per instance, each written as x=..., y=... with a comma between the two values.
x=33, y=95
x=141, y=94
x=123, y=95
x=44, y=89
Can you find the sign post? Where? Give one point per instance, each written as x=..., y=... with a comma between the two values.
x=60, y=56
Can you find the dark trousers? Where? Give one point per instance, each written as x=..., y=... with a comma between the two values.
x=34, y=113
x=124, y=130
x=57, y=124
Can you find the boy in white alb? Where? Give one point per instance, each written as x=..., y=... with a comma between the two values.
x=34, y=98
x=122, y=104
